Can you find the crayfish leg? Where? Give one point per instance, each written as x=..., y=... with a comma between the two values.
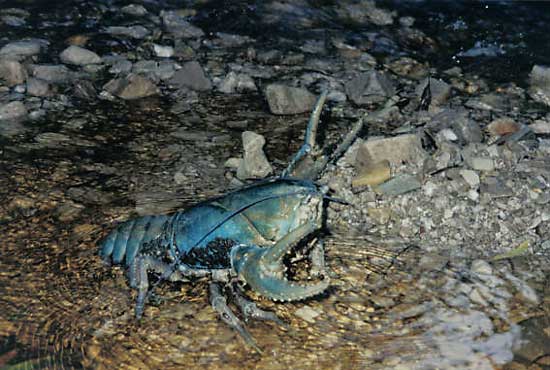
x=251, y=311
x=219, y=303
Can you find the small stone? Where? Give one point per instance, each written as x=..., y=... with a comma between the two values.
x=84, y=89
x=38, y=87
x=471, y=178
x=254, y=163
x=307, y=313
x=396, y=150
x=178, y=26
x=56, y=74
x=539, y=80
x=400, y=184
x=69, y=211
x=21, y=48
x=467, y=130
x=134, y=9
x=369, y=88
x=236, y=82
x=288, y=100
x=12, y=110
x=440, y=91
x=540, y=127
x=131, y=87
x=380, y=216
x=481, y=164
x=481, y=267
x=503, y=126
x=192, y=76
x=12, y=72
x=136, y=32
x=163, y=51
x=233, y=162
x=79, y=56
x=373, y=174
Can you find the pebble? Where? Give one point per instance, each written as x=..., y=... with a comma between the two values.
x=178, y=26
x=163, y=51
x=400, y=184
x=12, y=110
x=284, y=99
x=12, y=72
x=134, y=9
x=481, y=164
x=471, y=177
x=24, y=48
x=38, y=87
x=55, y=74
x=373, y=174
x=440, y=91
x=369, y=88
x=79, y=56
x=254, y=163
x=136, y=32
x=191, y=76
x=539, y=80
x=307, y=313
x=502, y=126
x=131, y=87
x=395, y=150
x=236, y=82
x=540, y=127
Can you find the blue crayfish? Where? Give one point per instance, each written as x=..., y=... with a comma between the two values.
x=242, y=237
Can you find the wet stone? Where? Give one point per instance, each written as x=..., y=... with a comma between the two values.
x=288, y=100
x=131, y=87
x=56, y=74
x=134, y=9
x=440, y=91
x=12, y=110
x=396, y=150
x=236, y=82
x=369, y=88
x=539, y=80
x=136, y=32
x=79, y=56
x=307, y=313
x=254, y=163
x=163, y=51
x=12, y=72
x=191, y=76
x=38, y=87
x=400, y=184
x=178, y=26
x=21, y=48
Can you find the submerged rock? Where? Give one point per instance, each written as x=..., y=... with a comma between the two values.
x=288, y=100
x=12, y=72
x=52, y=73
x=237, y=82
x=131, y=87
x=369, y=88
x=12, y=110
x=23, y=48
x=192, y=76
x=136, y=32
x=38, y=87
x=79, y=56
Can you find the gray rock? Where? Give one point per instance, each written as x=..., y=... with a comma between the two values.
x=400, y=184
x=12, y=110
x=396, y=150
x=439, y=90
x=368, y=88
x=178, y=26
x=52, y=73
x=38, y=87
x=134, y=9
x=79, y=56
x=163, y=51
x=229, y=40
x=254, y=163
x=237, y=82
x=12, y=72
x=121, y=66
x=467, y=130
x=535, y=339
x=539, y=81
x=480, y=164
x=288, y=100
x=131, y=87
x=192, y=76
x=136, y=32
x=84, y=89
x=13, y=21
x=471, y=177
x=24, y=48
x=540, y=127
